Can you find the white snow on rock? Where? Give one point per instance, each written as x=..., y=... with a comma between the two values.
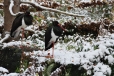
x=4, y=70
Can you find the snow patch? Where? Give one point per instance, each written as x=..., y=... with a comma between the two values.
x=3, y=70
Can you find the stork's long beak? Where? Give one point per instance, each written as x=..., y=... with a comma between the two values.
x=62, y=27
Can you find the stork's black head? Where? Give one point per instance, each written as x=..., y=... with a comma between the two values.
x=55, y=23
x=27, y=13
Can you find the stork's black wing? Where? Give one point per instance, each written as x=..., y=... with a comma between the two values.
x=57, y=30
x=28, y=19
x=48, y=37
x=16, y=23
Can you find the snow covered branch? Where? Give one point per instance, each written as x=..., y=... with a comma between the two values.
x=10, y=8
x=7, y=36
x=36, y=5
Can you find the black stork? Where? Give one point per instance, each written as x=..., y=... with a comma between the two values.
x=20, y=23
x=52, y=34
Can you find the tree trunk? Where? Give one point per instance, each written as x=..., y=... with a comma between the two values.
x=8, y=18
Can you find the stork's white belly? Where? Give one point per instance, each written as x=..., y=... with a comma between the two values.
x=53, y=39
x=22, y=26
x=23, y=23
x=19, y=29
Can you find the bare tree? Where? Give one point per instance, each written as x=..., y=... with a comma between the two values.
x=8, y=18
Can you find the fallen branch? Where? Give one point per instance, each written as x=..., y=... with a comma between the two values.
x=37, y=6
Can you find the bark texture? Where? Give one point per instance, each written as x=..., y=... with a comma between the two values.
x=8, y=18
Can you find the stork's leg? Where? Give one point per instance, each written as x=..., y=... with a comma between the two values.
x=51, y=56
x=22, y=33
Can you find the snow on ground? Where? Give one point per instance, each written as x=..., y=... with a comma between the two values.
x=101, y=70
x=84, y=58
x=66, y=53
x=91, y=51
